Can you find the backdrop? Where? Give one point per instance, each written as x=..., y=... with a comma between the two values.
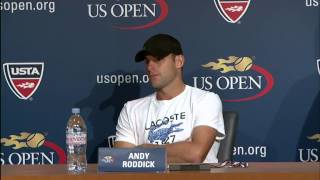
x=261, y=57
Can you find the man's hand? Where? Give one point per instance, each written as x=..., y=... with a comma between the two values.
x=192, y=150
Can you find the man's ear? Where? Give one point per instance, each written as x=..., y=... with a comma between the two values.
x=179, y=60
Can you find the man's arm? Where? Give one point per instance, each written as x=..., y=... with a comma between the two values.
x=193, y=150
x=190, y=151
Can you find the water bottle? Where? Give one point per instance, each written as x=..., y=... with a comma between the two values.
x=76, y=140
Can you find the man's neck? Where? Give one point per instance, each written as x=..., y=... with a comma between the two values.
x=170, y=91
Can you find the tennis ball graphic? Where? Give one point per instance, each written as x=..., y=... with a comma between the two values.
x=243, y=64
x=35, y=140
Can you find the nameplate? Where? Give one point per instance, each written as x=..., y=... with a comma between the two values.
x=131, y=159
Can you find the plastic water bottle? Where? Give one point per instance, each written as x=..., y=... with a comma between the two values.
x=76, y=140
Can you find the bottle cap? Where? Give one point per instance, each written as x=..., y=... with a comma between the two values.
x=76, y=110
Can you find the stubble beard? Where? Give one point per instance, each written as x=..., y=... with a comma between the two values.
x=162, y=82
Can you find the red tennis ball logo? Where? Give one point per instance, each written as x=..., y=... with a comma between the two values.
x=243, y=64
x=35, y=140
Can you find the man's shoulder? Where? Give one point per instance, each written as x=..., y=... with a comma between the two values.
x=199, y=94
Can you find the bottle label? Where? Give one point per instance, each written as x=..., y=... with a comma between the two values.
x=76, y=139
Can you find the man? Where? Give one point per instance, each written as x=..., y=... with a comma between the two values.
x=185, y=120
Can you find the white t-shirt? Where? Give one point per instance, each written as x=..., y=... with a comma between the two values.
x=148, y=120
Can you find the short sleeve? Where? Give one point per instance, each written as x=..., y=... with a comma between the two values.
x=208, y=112
x=124, y=129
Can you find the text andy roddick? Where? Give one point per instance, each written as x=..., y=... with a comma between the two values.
x=138, y=160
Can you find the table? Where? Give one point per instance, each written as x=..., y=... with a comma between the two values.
x=255, y=170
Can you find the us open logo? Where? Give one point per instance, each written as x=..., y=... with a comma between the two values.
x=129, y=14
x=237, y=79
x=310, y=154
x=23, y=78
x=232, y=10
x=108, y=159
x=30, y=148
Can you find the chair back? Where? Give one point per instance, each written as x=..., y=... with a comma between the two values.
x=226, y=145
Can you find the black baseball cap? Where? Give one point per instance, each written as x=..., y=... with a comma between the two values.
x=159, y=46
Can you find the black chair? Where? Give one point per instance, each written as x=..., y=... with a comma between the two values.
x=226, y=145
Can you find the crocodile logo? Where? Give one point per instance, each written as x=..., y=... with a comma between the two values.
x=162, y=134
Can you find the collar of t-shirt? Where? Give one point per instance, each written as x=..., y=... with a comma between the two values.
x=165, y=102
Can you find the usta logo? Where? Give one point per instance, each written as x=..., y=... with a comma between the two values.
x=23, y=78
x=232, y=10
x=25, y=71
